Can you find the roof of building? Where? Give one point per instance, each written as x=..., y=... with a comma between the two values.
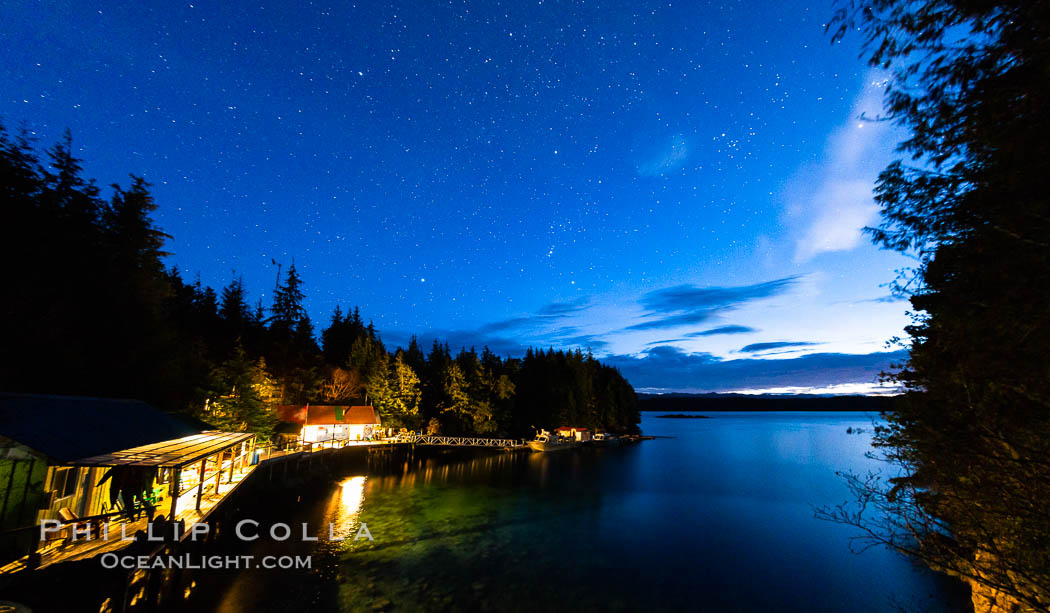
x=294, y=413
x=570, y=428
x=172, y=453
x=288, y=427
x=321, y=414
x=68, y=427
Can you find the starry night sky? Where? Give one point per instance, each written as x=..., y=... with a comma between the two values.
x=678, y=186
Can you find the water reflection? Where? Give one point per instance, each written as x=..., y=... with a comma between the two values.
x=718, y=517
x=344, y=508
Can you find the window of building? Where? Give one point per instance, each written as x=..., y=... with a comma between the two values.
x=64, y=482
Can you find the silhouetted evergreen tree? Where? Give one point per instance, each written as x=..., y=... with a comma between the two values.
x=23, y=223
x=414, y=357
x=98, y=313
x=454, y=404
x=432, y=378
x=239, y=322
x=347, y=342
x=287, y=309
x=293, y=355
x=140, y=336
x=236, y=399
x=335, y=344
x=970, y=199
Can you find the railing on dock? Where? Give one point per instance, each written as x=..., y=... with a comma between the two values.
x=271, y=451
x=458, y=441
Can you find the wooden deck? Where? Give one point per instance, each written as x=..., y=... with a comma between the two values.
x=119, y=527
x=121, y=531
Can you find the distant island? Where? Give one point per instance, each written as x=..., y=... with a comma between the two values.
x=682, y=416
x=762, y=402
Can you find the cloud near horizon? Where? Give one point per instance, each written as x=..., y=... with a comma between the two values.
x=668, y=369
x=500, y=345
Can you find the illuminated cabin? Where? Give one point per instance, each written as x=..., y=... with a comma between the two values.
x=99, y=461
x=324, y=423
x=580, y=434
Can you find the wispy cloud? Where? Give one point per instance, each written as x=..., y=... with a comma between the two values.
x=504, y=325
x=686, y=297
x=840, y=205
x=583, y=341
x=672, y=369
x=665, y=341
x=457, y=339
x=545, y=315
x=672, y=154
x=722, y=330
x=868, y=389
x=688, y=304
x=558, y=309
x=684, y=319
x=513, y=335
x=888, y=299
x=758, y=347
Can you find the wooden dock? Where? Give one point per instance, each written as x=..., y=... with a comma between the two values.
x=120, y=531
x=460, y=441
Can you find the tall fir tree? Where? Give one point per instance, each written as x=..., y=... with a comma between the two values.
x=454, y=406
x=238, y=399
x=969, y=200
x=405, y=394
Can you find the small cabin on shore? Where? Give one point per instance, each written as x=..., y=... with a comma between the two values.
x=580, y=434
x=322, y=423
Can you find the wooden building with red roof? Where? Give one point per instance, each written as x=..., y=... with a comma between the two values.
x=320, y=422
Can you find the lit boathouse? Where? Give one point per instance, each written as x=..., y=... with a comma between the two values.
x=104, y=463
x=329, y=423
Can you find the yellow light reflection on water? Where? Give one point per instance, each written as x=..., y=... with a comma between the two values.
x=352, y=496
x=344, y=508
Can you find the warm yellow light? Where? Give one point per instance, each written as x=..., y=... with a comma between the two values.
x=352, y=496
x=344, y=509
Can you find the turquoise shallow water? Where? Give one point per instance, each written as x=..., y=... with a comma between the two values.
x=718, y=517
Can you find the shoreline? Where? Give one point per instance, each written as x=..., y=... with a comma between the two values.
x=745, y=403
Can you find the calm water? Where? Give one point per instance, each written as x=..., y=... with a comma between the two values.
x=717, y=518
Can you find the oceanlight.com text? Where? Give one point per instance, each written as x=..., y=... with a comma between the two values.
x=243, y=562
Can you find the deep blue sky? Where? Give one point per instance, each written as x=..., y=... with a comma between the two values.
x=678, y=186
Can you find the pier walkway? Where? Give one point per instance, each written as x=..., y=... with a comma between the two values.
x=460, y=441
x=112, y=532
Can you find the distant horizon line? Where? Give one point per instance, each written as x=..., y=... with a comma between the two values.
x=844, y=389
